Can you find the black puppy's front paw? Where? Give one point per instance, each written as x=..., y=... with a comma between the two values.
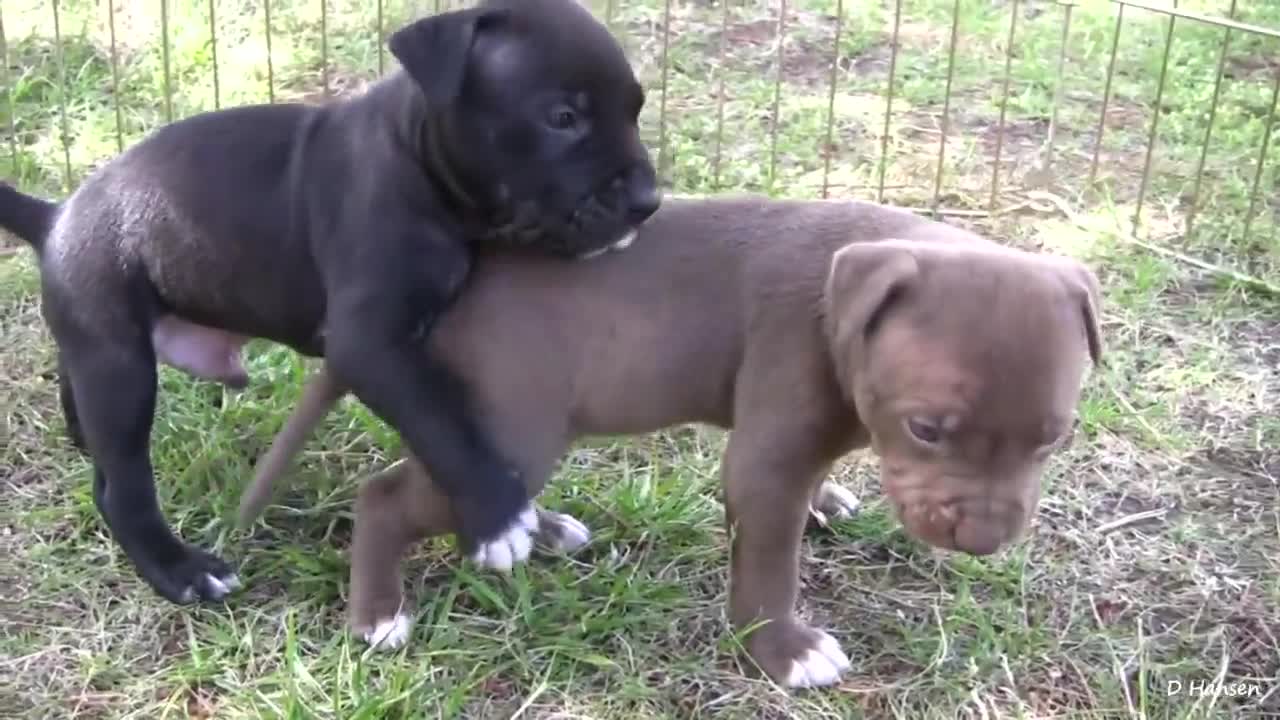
x=189, y=575
x=497, y=531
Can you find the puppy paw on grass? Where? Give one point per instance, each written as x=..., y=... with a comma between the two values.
x=390, y=633
x=560, y=533
x=796, y=656
x=833, y=502
x=511, y=546
x=819, y=666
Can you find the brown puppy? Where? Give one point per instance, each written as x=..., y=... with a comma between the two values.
x=809, y=329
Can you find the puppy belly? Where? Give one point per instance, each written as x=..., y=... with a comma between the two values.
x=205, y=352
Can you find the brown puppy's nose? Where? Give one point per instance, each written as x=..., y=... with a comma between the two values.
x=977, y=536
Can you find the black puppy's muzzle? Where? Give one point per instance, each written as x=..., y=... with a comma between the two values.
x=605, y=218
x=643, y=197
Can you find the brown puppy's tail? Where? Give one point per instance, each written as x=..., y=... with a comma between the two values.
x=319, y=396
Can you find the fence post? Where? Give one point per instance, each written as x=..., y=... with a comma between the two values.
x=946, y=104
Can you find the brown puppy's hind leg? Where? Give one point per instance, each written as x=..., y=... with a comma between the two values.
x=769, y=484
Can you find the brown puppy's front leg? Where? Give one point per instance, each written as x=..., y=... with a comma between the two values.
x=395, y=509
x=768, y=488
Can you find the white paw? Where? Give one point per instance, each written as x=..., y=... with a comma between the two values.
x=215, y=588
x=818, y=666
x=839, y=502
x=572, y=535
x=389, y=634
x=512, y=546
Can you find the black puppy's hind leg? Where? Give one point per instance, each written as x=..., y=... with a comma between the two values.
x=114, y=382
x=68, y=402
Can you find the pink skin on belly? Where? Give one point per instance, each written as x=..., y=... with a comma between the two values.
x=205, y=352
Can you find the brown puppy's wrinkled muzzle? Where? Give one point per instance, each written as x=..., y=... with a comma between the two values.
x=977, y=516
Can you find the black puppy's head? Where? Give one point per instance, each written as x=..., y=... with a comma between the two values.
x=532, y=113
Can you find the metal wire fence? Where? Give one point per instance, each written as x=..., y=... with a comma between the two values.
x=952, y=106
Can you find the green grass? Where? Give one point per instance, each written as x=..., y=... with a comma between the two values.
x=1154, y=554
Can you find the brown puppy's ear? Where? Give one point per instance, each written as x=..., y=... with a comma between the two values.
x=862, y=284
x=1086, y=290
x=434, y=50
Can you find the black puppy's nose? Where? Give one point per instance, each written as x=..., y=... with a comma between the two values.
x=643, y=201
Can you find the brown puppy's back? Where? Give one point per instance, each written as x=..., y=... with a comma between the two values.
x=635, y=340
x=637, y=329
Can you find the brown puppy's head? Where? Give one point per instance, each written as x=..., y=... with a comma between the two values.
x=965, y=362
x=531, y=123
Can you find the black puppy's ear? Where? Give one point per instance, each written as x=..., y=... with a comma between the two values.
x=434, y=50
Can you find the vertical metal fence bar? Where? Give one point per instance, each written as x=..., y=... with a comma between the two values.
x=1106, y=97
x=1208, y=130
x=213, y=48
x=1155, y=125
x=1057, y=87
x=827, y=148
x=382, y=49
x=720, y=73
x=324, y=47
x=1262, y=156
x=662, y=102
x=946, y=104
x=271, y=79
x=115, y=75
x=62, y=96
x=1004, y=105
x=10, y=95
x=777, y=93
x=888, y=103
x=164, y=50
x=609, y=10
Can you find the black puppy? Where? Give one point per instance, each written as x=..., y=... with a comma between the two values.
x=511, y=124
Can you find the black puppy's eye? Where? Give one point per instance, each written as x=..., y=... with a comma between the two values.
x=562, y=118
x=924, y=430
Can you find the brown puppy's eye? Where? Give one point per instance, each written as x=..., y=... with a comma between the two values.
x=924, y=430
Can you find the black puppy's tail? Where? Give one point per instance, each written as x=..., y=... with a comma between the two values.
x=29, y=217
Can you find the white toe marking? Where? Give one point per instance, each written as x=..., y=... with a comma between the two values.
x=818, y=666
x=625, y=241
x=593, y=253
x=389, y=634
x=528, y=518
x=216, y=585
x=232, y=581
x=841, y=502
x=512, y=546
